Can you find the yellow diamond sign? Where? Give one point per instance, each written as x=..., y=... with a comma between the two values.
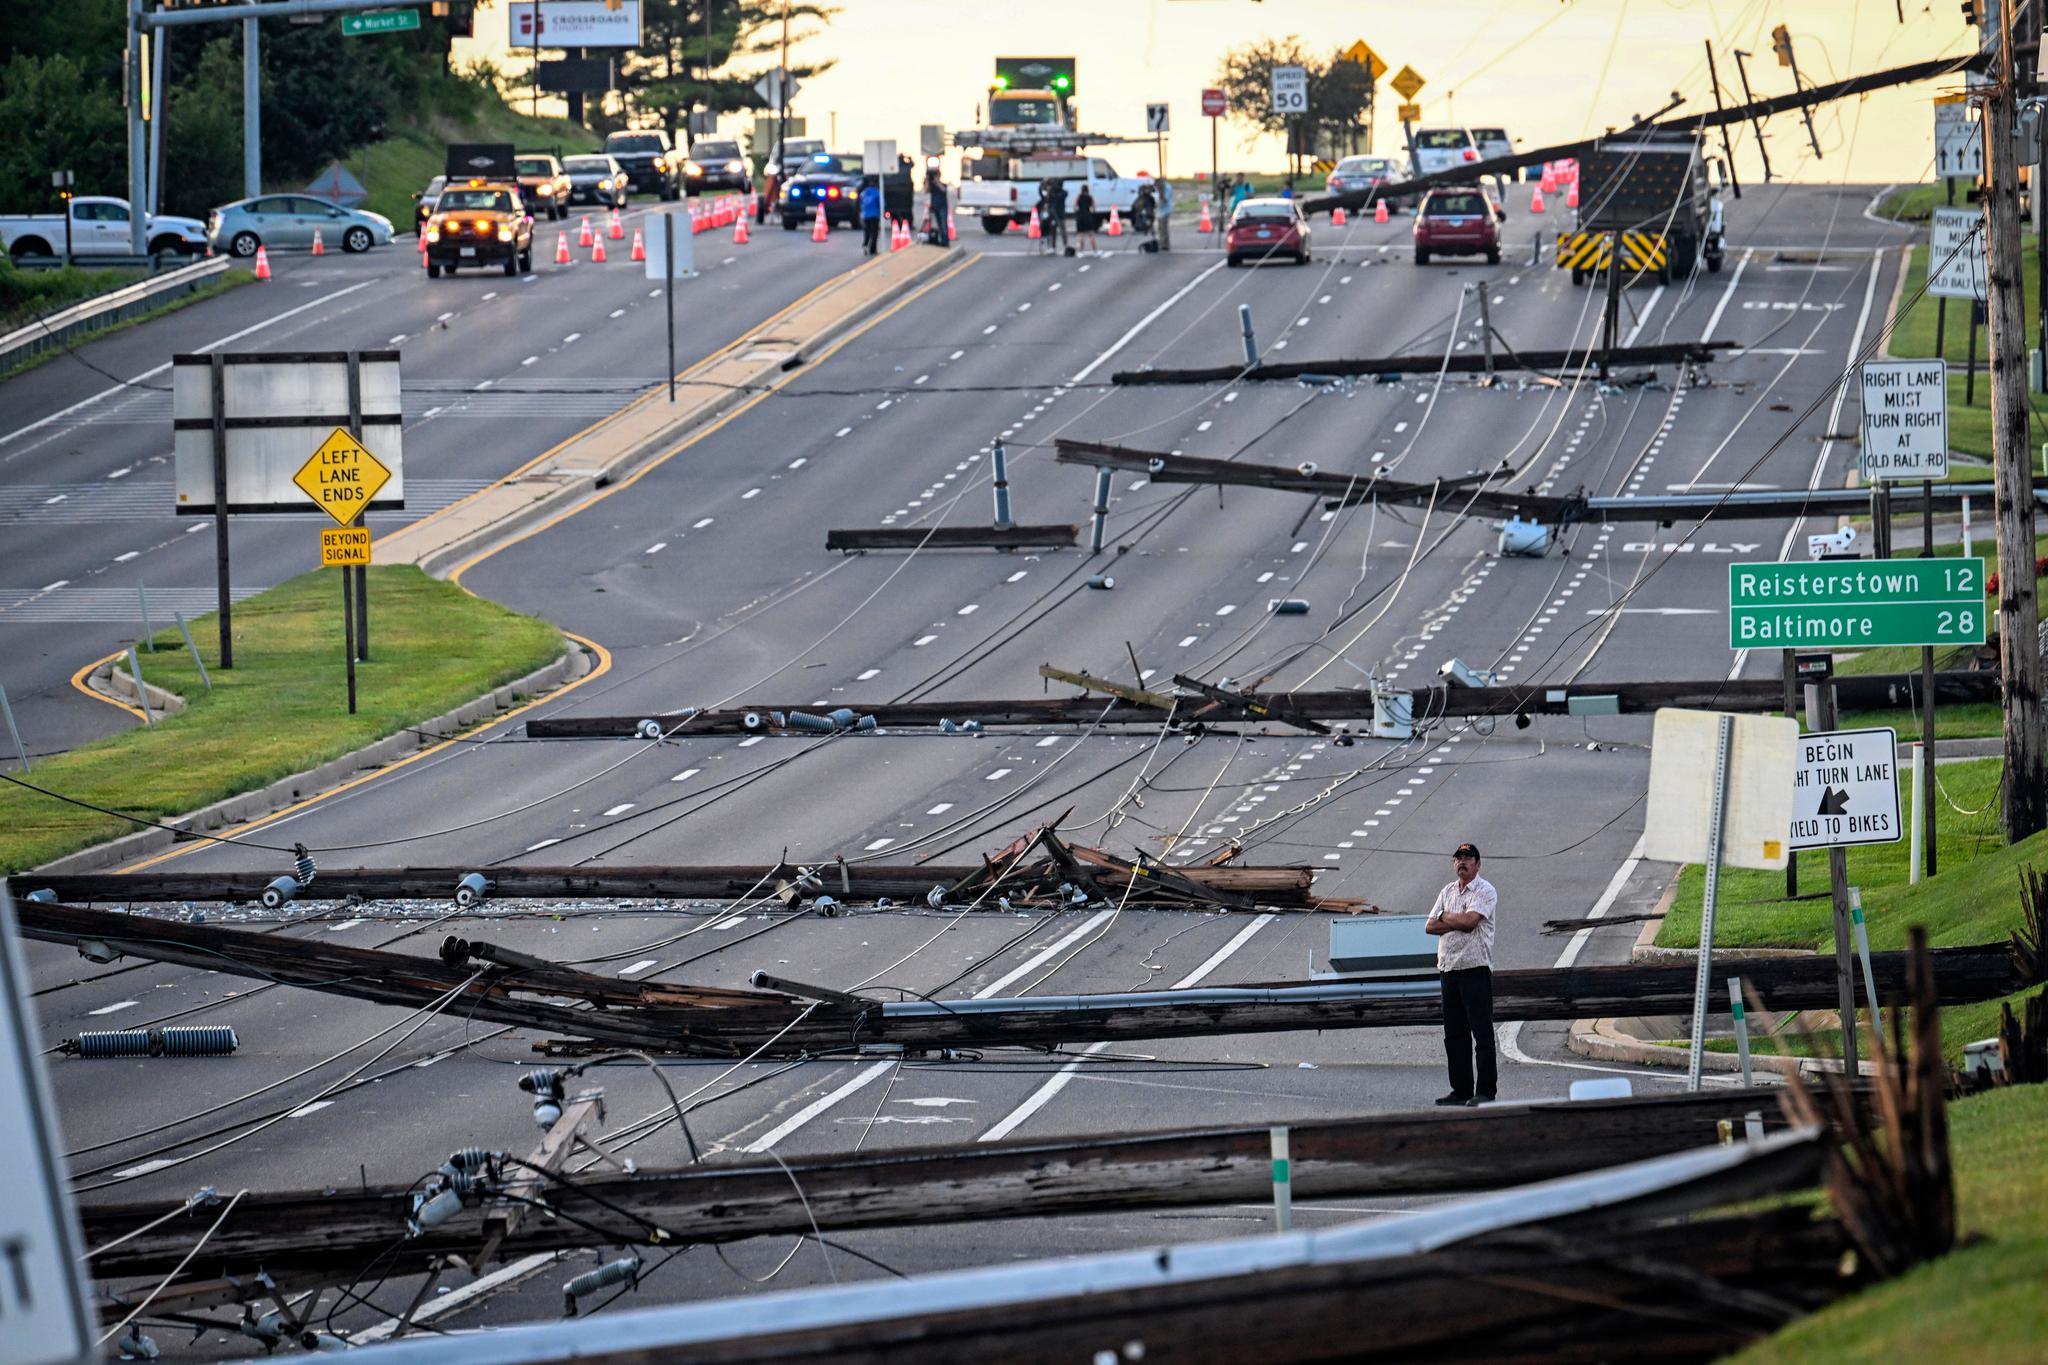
x=1367, y=58
x=342, y=477
x=1408, y=80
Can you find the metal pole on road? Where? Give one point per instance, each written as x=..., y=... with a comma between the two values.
x=668, y=270
x=1925, y=814
x=224, y=610
x=1717, y=817
x=138, y=188
x=1820, y=715
x=359, y=572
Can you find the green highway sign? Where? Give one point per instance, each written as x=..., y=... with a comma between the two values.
x=1856, y=604
x=380, y=21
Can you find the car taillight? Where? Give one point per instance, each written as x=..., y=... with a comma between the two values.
x=1471, y=155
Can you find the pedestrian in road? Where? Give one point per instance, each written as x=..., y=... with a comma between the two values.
x=1240, y=192
x=935, y=192
x=1086, y=220
x=1052, y=213
x=1462, y=919
x=870, y=216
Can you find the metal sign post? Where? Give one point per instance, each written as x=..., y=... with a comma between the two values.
x=1717, y=819
x=223, y=606
x=668, y=270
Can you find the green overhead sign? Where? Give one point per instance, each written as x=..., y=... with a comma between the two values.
x=379, y=21
x=1856, y=604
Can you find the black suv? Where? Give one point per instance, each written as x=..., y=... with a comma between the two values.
x=651, y=163
x=716, y=165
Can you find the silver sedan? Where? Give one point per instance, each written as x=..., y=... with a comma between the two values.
x=289, y=221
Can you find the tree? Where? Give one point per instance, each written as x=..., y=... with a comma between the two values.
x=54, y=117
x=203, y=137
x=1339, y=92
x=677, y=67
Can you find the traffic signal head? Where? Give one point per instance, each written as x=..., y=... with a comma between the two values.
x=1781, y=43
x=1973, y=13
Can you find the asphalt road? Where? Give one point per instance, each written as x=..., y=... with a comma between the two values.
x=706, y=582
x=496, y=370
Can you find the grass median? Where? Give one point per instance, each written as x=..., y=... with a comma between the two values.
x=281, y=710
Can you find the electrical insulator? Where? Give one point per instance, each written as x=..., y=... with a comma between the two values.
x=471, y=890
x=626, y=1271
x=1781, y=43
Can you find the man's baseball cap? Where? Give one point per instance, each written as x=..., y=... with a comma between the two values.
x=1465, y=850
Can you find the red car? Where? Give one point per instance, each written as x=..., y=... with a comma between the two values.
x=1264, y=230
x=1457, y=222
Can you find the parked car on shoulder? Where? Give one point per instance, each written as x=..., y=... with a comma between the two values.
x=716, y=164
x=826, y=180
x=543, y=184
x=99, y=227
x=288, y=221
x=596, y=179
x=1265, y=230
x=652, y=164
x=1355, y=173
x=1460, y=221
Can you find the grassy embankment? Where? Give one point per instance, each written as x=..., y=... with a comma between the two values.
x=398, y=167
x=281, y=710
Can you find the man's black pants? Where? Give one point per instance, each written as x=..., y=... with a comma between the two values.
x=1468, y=1029
x=870, y=235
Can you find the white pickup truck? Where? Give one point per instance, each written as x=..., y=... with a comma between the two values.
x=99, y=227
x=998, y=201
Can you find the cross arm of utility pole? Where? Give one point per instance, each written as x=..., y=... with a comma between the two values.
x=1137, y=695
x=1251, y=706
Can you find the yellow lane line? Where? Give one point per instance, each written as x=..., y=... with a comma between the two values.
x=78, y=680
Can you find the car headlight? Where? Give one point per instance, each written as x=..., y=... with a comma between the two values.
x=735, y=166
x=504, y=232
x=433, y=233
x=548, y=190
x=604, y=184
x=692, y=168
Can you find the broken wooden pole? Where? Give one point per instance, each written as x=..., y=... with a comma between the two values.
x=1658, y=353
x=855, y=539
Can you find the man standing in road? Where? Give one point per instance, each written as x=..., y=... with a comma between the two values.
x=1462, y=918
x=870, y=216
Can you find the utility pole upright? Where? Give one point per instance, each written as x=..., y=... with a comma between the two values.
x=2025, y=790
x=252, y=108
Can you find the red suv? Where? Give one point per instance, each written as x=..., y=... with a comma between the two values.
x=1264, y=230
x=1456, y=222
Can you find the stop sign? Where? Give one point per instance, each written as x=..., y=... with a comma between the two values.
x=1213, y=103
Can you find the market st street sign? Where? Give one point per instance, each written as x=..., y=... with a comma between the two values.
x=380, y=21
x=1856, y=604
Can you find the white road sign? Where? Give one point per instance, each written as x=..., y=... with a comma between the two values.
x=1683, y=745
x=658, y=258
x=1845, y=789
x=777, y=88
x=42, y=1299
x=1156, y=118
x=1955, y=255
x=1290, y=90
x=1958, y=142
x=1905, y=419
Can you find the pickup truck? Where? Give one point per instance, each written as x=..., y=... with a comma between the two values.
x=1012, y=192
x=99, y=227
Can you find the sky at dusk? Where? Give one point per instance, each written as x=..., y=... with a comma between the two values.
x=1547, y=70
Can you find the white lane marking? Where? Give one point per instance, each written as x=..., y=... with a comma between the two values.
x=530, y=360
x=1643, y=318
x=154, y=371
x=656, y=548
x=395, y=340
x=485, y=385
x=621, y=808
x=1188, y=641
x=816, y=1107
x=124, y=558
x=114, y=1008
x=488, y=297
x=799, y=462
x=535, y=848
x=751, y=741
x=128, y=1172
x=750, y=493
x=920, y=379
x=618, y=312
x=456, y=1298
x=572, y=338
x=1142, y=323
x=638, y=967
x=444, y=317
x=997, y=776
x=969, y=609
x=1044, y=955
x=700, y=524
x=956, y=355
x=878, y=845
x=315, y=1107
x=842, y=431
x=989, y=330
x=1044, y=1094
x=940, y=809
x=1226, y=609
x=870, y=673
x=921, y=641
x=1047, y=742
x=1204, y=425
x=686, y=774
x=1017, y=575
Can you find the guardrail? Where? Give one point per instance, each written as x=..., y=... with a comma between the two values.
x=62, y=328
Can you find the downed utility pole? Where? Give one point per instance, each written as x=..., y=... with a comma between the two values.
x=1750, y=110
x=1660, y=353
x=1864, y=692
x=708, y=1021
x=2025, y=788
x=298, y=1234
x=855, y=539
x=1460, y=493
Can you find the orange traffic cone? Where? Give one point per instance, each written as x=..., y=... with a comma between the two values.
x=616, y=232
x=1571, y=196
x=597, y=252
x=1536, y=200
x=319, y=249
x=262, y=263
x=1116, y=223
x=639, y=246
x=561, y=248
x=739, y=229
x=583, y=236
x=1379, y=211
x=1549, y=181
x=952, y=233
x=1034, y=232
x=1337, y=218
x=819, y=227
x=1208, y=224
